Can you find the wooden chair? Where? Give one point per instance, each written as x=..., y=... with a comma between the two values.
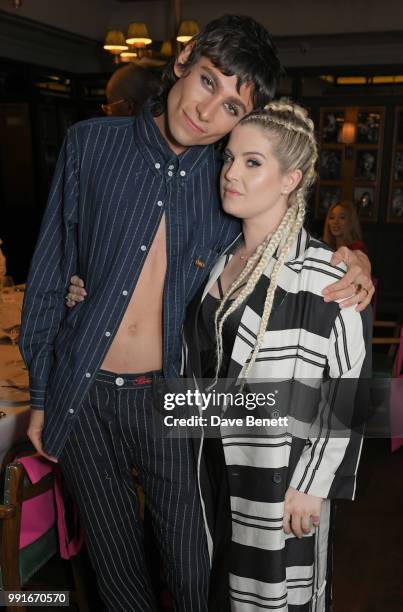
x=385, y=364
x=390, y=365
x=19, y=565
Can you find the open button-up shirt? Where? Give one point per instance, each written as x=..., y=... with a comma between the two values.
x=114, y=180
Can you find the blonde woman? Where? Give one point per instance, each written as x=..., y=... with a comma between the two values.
x=266, y=490
x=342, y=227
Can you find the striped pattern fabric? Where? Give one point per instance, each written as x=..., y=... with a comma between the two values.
x=114, y=433
x=114, y=181
x=312, y=358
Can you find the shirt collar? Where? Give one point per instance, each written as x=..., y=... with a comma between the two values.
x=159, y=156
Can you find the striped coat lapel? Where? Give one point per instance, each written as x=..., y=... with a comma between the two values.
x=190, y=328
x=219, y=266
x=249, y=326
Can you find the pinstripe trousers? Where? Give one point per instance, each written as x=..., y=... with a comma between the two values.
x=114, y=433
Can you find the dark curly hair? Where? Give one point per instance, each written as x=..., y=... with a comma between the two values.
x=236, y=45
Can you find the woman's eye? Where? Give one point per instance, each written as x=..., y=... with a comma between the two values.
x=253, y=163
x=206, y=81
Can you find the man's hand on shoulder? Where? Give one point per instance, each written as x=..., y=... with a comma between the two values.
x=77, y=292
x=356, y=286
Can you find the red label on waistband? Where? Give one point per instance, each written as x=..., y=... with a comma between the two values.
x=142, y=380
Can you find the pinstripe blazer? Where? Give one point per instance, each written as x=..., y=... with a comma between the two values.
x=311, y=358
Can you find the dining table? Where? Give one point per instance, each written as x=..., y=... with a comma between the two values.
x=14, y=390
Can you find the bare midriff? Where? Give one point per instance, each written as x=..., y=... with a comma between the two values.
x=137, y=346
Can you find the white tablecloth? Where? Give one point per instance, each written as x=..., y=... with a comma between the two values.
x=14, y=396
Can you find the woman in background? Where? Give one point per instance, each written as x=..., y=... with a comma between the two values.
x=342, y=228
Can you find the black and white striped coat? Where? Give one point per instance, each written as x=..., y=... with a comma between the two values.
x=307, y=342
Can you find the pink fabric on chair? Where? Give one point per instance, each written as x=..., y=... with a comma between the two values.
x=396, y=400
x=39, y=514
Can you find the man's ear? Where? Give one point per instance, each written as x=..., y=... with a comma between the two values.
x=182, y=58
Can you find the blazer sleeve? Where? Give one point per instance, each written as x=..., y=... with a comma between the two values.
x=328, y=465
x=53, y=263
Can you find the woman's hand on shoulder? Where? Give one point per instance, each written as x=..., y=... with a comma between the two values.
x=77, y=292
x=301, y=511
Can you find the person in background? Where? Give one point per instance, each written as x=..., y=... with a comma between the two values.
x=127, y=90
x=342, y=228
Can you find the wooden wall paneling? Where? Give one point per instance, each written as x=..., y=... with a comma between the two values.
x=395, y=197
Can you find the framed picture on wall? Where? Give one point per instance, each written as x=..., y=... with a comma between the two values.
x=332, y=121
x=366, y=165
x=398, y=174
x=395, y=200
x=368, y=127
x=364, y=199
x=328, y=195
x=396, y=205
x=330, y=164
x=399, y=127
x=350, y=160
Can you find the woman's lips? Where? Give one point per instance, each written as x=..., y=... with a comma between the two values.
x=193, y=125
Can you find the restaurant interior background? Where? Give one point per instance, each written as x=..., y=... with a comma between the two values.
x=343, y=61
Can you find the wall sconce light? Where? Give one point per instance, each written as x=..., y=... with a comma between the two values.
x=115, y=43
x=347, y=137
x=166, y=48
x=127, y=56
x=187, y=30
x=137, y=34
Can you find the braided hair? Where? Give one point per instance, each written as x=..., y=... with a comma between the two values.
x=294, y=146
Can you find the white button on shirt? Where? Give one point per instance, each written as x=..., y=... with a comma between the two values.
x=143, y=247
x=182, y=173
x=88, y=375
x=125, y=292
x=157, y=165
x=107, y=334
x=119, y=381
x=159, y=203
x=71, y=410
x=170, y=173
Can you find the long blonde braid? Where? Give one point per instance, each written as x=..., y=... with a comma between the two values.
x=294, y=130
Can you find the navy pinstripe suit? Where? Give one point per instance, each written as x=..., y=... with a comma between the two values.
x=114, y=180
